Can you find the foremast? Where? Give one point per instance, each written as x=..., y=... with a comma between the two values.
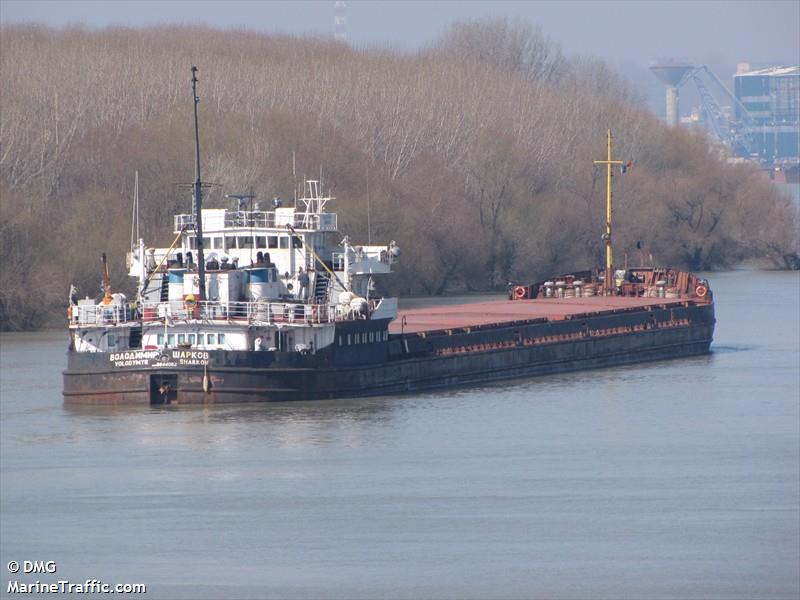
x=608, y=282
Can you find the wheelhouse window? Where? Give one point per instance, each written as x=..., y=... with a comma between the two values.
x=284, y=241
x=245, y=241
x=230, y=242
x=212, y=339
x=272, y=241
x=261, y=241
x=297, y=241
x=217, y=243
x=221, y=338
x=171, y=339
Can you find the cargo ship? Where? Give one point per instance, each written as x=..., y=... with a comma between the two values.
x=252, y=305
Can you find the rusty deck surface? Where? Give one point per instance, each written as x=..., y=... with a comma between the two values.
x=502, y=311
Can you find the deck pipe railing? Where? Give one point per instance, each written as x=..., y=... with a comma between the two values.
x=253, y=312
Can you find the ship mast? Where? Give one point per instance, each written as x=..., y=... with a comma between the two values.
x=106, y=280
x=608, y=282
x=198, y=195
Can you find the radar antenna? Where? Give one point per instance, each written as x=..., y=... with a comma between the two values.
x=241, y=200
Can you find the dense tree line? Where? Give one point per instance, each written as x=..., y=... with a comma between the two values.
x=474, y=154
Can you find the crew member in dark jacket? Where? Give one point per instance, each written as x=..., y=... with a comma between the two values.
x=302, y=278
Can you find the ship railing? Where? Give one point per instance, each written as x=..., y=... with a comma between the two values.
x=260, y=311
x=378, y=253
x=183, y=221
x=263, y=219
x=100, y=314
x=241, y=218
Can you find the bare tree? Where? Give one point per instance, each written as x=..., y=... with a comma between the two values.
x=479, y=151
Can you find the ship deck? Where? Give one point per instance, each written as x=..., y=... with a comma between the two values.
x=456, y=316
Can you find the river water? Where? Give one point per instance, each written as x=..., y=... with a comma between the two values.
x=677, y=479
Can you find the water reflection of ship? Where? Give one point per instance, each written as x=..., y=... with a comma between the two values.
x=290, y=424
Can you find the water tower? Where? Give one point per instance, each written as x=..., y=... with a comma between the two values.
x=671, y=74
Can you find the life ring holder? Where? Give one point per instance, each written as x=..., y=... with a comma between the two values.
x=190, y=304
x=700, y=291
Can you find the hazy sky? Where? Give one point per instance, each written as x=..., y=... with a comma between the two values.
x=722, y=32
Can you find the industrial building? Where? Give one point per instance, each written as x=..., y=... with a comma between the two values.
x=758, y=121
x=769, y=112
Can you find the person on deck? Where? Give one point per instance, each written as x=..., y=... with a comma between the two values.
x=302, y=279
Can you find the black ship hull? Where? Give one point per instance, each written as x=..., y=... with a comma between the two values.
x=406, y=363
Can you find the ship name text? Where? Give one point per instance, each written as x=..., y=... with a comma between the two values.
x=159, y=358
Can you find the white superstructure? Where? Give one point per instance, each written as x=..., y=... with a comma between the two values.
x=276, y=279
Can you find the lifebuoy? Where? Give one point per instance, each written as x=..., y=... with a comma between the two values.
x=701, y=291
x=191, y=306
x=519, y=292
